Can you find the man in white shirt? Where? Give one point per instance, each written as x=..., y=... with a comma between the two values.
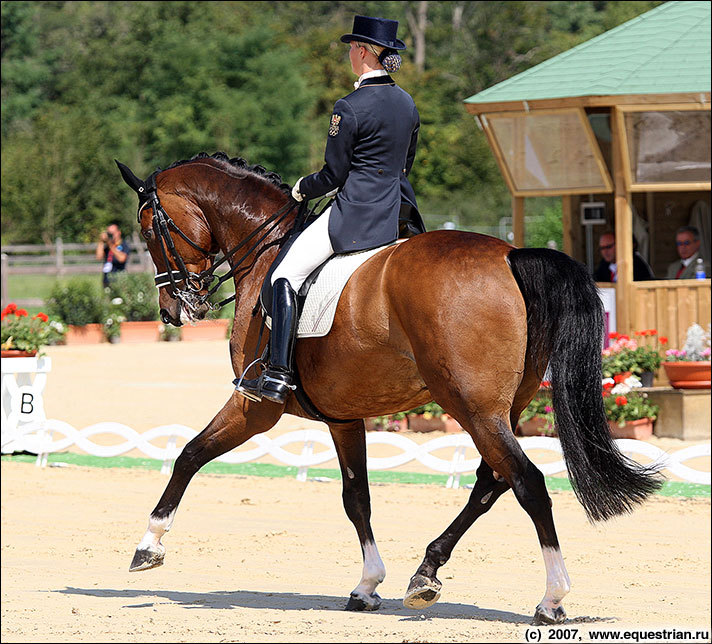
x=687, y=240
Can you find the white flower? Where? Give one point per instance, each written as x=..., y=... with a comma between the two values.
x=608, y=381
x=117, y=301
x=57, y=326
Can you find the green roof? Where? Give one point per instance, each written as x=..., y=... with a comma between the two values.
x=663, y=51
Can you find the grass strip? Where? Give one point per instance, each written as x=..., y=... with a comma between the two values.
x=670, y=488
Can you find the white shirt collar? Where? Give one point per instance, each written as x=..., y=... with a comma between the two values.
x=690, y=259
x=372, y=74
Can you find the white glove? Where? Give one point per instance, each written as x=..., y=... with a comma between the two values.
x=296, y=195
x=331, y=194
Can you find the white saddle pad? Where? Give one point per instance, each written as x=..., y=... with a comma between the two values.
x=323, y=296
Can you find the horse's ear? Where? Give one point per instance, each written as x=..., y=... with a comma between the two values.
x=131, y=179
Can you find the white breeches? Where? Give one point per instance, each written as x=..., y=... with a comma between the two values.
x=311, y=248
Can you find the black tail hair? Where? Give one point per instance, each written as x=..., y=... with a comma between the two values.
x=565, y=330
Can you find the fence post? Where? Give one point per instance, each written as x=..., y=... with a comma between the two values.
x=3, y=278
x=60, y=256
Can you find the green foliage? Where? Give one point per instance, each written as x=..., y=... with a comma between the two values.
x=429, y=410
x=541, y=407
x=76, y=302
x=134, y=296
x=150, y=83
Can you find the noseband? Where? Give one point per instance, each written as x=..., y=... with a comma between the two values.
x=189, y=294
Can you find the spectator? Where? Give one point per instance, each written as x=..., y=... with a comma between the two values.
x=607, y=270
x=113, y=250
x=687, y=240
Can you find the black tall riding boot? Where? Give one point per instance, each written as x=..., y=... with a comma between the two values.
x=276, y=382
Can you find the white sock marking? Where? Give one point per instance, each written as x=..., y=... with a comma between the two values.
x=156, y=529
x=374, y=572
x=558, y=583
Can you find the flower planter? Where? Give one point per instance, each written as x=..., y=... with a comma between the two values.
x=451, y=425
x=534, y=427
x=16, y=353
x=140, y=331
x=641, y=429
x=391, y=425
x=205, y=330
x=87, y=334
x=419, y=423
x=688, y=375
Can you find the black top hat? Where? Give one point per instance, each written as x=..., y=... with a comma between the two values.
x=379, y=31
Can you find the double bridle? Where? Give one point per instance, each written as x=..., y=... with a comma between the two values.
x=189, y=294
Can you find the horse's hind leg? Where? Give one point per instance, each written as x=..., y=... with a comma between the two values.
x=237, y=422
x=424, y=587
x=502, y=451
x=350, y=442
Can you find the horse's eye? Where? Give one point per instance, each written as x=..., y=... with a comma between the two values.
x=147, y=234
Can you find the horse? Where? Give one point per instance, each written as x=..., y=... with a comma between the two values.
x=460, y=318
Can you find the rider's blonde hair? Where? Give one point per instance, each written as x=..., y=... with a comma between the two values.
x=374, y=49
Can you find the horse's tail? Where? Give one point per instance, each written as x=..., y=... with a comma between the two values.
x=565, y=330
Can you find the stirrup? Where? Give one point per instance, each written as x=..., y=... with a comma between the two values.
x=253, y=395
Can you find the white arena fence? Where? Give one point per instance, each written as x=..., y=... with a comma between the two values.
x=50, y=436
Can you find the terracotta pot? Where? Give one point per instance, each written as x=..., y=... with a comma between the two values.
x=16, y=353
x=451, y=425
x=419, y=423
x=533, y=427
x=205, y=330
x=140, y=331
x=641, y=429
x=87, y=334
x=688, y=375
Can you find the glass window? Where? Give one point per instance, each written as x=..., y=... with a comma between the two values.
x=669, y=147
x=552, y=151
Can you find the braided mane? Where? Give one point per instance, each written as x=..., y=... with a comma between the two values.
x=237, y=163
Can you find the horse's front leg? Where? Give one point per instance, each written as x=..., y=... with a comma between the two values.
x=237, y=422
x=424, y=587
x=350, y=442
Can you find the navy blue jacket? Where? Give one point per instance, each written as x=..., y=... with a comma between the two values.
x=369, y=153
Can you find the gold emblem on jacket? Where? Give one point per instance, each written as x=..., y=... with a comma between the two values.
x=334, y=125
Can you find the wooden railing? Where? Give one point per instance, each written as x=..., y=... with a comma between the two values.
x=64, y=259
x=671, y=307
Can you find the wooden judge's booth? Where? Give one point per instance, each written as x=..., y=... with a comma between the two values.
x=619, y=128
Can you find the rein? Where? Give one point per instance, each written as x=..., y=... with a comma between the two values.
x=189, y=295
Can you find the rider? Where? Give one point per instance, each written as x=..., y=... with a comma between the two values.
x=369, y=152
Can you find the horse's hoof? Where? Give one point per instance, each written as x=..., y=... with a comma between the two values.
x=422, y=592
x=361, y=601
x=146, y=559
x=546, y=615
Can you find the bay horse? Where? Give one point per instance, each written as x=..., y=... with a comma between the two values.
x=456, y=317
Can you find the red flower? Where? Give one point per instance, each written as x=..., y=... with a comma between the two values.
x=620, y=377
x=613, y=336
x=11, y=308
x=641, y=333
x=623, y=337
x=621, y=400
x=608, y=385
x=21, y=313
x=545, y=383
x=41, y=316
x=662, y=339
